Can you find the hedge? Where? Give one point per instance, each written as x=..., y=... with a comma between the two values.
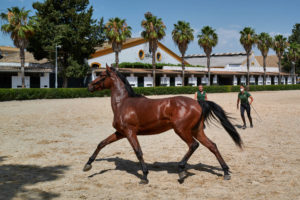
x=61, y=93
x=140, y=65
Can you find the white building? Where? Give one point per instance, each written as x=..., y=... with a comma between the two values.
x=226, y=69
x=37, y=72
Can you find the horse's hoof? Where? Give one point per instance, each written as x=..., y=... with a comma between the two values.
x=182, y=175
x=227, y=177
x=144, y=181
x=180, y=181
x=87, y=167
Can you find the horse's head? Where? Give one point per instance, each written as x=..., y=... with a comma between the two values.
x=103, y=81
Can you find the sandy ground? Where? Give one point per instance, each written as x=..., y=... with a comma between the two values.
x=44, y=145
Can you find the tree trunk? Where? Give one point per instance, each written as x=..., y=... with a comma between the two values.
x=117, y=60
x=294, y=73
x=183, y=68
x=65, y=82
x=208, y=69
x=22, y=57
x=248, y=74
x=153, y=66
x=279, y=69
x=264, y=65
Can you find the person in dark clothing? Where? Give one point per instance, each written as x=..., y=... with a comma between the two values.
x=245, y=105
x=200, y=94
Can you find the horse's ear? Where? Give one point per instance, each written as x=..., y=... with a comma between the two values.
x=108, y=68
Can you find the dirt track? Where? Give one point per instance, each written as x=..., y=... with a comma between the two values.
x=45, y=144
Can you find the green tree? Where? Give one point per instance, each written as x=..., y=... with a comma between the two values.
x=20, y=27
x=117, y=32
x=70, y=25
x=154, y=30
x=293, y=55
x=279, y=45
x=207, y=40
x=248, y=39
x=182, y=36
x=264, y=43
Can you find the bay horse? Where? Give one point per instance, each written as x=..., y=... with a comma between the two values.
x=135, y=115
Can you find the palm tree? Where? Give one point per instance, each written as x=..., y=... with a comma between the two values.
x=182, y=36
x=154, y=30
x=279, y=45
x=207, y=40
x=20, y=28
x=247, y=39
x=264, y=43
x=117, y=31
x=293, y=55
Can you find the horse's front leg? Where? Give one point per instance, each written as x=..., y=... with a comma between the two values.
x=110, y=139
x=132, y=138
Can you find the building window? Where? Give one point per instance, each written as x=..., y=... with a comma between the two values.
x=141, y=54
x=96, y=65
x=158, y=56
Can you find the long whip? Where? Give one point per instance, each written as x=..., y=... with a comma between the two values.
x=256, y=113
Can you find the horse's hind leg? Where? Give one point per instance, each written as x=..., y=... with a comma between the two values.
x=201, y=137
x=110, y=139
x=193, y=145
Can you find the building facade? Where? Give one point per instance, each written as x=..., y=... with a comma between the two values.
x=226, y=69
x=37, y=72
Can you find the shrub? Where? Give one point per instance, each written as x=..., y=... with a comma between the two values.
x=61, y=93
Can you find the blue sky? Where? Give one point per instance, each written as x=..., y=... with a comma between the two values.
x=227, y=17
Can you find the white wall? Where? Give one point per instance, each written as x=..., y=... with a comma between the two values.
x=131, y=55
x=44, y=81
x=16, y=82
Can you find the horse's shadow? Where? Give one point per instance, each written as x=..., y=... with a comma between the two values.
x=133, y=167
x=14, y=179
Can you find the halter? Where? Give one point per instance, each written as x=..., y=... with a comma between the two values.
x=101, y=81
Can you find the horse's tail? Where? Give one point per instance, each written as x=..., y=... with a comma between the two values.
x=211, y=109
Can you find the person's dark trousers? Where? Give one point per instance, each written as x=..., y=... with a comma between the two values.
x=248, y=110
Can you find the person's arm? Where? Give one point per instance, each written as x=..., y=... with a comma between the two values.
x=195, y=97
x=205, y=96
x=251, y=100
x=237, y=104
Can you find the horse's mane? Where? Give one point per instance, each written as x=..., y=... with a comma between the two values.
x=128, y=87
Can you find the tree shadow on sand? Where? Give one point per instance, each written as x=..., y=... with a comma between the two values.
x=133, y=167
x=14, y=178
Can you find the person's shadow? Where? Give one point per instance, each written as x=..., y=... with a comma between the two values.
x=133, y=167
x=14, y=178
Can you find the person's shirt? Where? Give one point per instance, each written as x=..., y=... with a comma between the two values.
x=244, y=97
x=201, y=96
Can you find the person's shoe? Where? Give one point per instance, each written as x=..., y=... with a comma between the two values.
x=251, y=125
x=244, y=127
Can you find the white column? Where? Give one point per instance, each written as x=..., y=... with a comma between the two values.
x=132, y=80
x=289, y=80
x=283, y=80
x=16, y=81
x=165, y=81
x=252, y=80
x=215, y=80
x=178, y=81
x=275, y=80
x=243, y=80
x=148, y=81
x=204, y=80
x=235, y=80
x=260, y=80
x=44, y=81
x=93, y=75
x=192, y=80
